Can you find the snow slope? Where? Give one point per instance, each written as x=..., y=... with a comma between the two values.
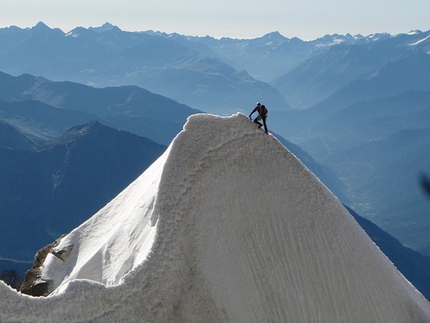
x=227, y=226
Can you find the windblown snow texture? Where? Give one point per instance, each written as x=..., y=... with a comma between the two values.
x=227, y=226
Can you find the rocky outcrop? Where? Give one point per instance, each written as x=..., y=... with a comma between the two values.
x=33, y=284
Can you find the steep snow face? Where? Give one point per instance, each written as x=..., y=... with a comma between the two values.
x=112, y=242
x=227, y=226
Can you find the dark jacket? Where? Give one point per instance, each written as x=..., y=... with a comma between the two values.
x=262, y=111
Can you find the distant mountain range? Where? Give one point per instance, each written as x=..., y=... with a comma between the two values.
x=109, y=56
x=319, y=77
x=43, y=109
x=384, y=180
x=342, y=98
x=213, y=75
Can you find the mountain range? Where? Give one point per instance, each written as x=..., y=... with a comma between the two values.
x=57, y=106
x=214, y=75
x=347, y=63
x=358, y=105
x=112, y=57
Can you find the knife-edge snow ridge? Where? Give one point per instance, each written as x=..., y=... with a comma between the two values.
x=226, y=226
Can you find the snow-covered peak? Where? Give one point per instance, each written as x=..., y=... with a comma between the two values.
x=114, y=241
x=414, y=32
x=227, y=226
x=105, y=27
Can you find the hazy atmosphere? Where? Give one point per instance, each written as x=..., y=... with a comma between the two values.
x=215, y=162
x=307, y=19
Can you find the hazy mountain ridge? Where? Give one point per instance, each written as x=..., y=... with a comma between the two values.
x=383, y=177
x=128, y=107
x=10, y=138
x=321, y=76
x=39, y=121
x=367, y=121
x=410, y=73
x=113, y=57
x=197, y=71
x=272, y=55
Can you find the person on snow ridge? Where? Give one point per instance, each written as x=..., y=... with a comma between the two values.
x=262, y=115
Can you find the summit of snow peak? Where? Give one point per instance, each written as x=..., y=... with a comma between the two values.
x=226, y=226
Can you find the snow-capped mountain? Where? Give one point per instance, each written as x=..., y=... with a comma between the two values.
x=226, y=226
x=108, y=56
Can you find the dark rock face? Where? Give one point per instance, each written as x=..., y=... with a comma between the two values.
x=11, y=278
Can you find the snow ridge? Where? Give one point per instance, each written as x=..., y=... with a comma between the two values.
x=227, y=226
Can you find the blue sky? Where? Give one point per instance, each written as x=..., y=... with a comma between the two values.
x=306, y=19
